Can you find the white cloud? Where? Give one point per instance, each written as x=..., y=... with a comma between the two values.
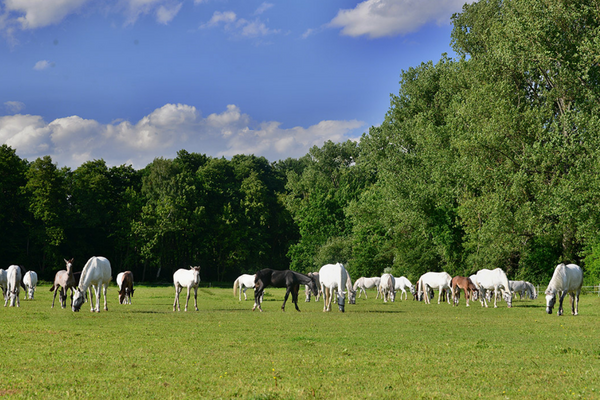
x=165, y=10
x=28, y=134
x=165, y=14
x=41, y=65
x=263, y=7
x=14, y=107
x=219, y=17
x=378, y=18
x=73, y=140
x=32, y=14
x=239, y=27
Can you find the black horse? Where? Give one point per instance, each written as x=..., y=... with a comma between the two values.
x=288, y=279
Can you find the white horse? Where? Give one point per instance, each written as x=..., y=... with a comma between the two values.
x=523, y=289
x=531, y=290
x=566, y=279
x=350, y=289
x=243, y=282
x=402, y=284
x=186, y=278
x=333, y=277
x=30, y=281
x=387, y=287
x=3, y=282
x=96, y=273
x=13, y=285
x=308, y=292
x=362, y=284
x=495, y=280
x=435, y=280
x=473, y=279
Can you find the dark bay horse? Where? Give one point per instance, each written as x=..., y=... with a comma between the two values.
x=287, y=279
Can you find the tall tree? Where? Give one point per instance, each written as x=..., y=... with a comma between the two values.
x=47, y=193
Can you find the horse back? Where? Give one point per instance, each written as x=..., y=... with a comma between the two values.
x=96, y=270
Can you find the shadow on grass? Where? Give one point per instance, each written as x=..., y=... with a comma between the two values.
x=529, y=306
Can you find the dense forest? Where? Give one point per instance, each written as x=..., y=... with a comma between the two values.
x=488, y=160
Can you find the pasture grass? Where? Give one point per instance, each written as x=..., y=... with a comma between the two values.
x=374, y=350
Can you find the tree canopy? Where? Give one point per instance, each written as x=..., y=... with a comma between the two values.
x=487, y=160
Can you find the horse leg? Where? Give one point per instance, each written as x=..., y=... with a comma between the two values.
x=560, y=306
x=287, y=294
x=196, y=297
x=176, y=302
x=97, y=291
x=105, y=288
x=259, y=288
x=295, y=291
x=53, y=299
x=245, y=297
x=576, y=308
x=187, y=299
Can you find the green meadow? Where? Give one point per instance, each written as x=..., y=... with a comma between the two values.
x=374, y=350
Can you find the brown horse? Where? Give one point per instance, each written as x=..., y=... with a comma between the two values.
x=464, y=283
x=63, y=281
x=125, y=282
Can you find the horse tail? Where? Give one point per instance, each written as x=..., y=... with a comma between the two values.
x=52, y=288
x=235, y=286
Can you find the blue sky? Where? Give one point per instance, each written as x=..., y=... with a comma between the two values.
x=131, y=80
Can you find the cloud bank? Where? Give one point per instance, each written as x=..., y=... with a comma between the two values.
x=34, y=14
x=71, y=141
x=379, y=18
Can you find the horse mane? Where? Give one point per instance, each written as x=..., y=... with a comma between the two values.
x=558, y=278
x=84, y=273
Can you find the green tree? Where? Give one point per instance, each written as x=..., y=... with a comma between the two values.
x=13, y=211
x=47, y=193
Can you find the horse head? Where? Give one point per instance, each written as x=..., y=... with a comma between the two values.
x=507, y=296
x=550, y=301
x=352, y=296
x=78, y=300
x=341, y=300
x=313, y=284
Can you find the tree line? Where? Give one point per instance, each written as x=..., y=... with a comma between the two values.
x=491, y=159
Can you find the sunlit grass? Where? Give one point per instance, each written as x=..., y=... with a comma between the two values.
x=374, y=350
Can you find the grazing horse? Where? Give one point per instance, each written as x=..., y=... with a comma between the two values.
x=307, y=291
x=362, y=284
x=186, y=278
x=350, y=289
x=434, y=280
x=475, y=295
x=402, y=284
x=125, y=284
x=30, y=280
x=244, y=282
x=495, y=280
x=291, y=280
x=3, y=282
x=96, y=273
x=566, y=279
x=63, y=281
x=387, y=288
x=531, y=290
x=518, y=287
x=333, y=277
x=464, y=283
x=13, y=285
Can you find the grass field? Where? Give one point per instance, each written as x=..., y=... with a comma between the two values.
x=374, y=350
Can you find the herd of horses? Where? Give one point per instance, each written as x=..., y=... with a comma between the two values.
x=332, y=280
